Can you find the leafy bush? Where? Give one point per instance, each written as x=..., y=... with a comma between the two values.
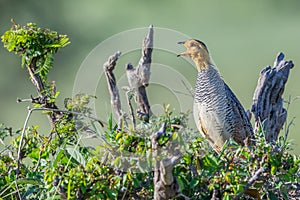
x=33, y=42
x=56, y=165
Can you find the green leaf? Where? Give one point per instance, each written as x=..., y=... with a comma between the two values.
x=112, y=194
x=273, y=170
x=174, y=136
x=226, y=196
x=124, y=179
x=34, y=154
x=119, y=135
x=182, y=182
x=272, y=196
x=74, y=153
x=136, y=182
x=29, y=181
x=69, y=188
x=110, y=122
x=57, y=158
x=187, y=159
x=210, y=161
x=45, y=66
x=194, y=183
x=31, y=41
x=118, y=162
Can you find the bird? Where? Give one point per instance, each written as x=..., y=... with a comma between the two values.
x=218, y=113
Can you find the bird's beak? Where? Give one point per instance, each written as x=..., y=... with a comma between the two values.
x=184, y=53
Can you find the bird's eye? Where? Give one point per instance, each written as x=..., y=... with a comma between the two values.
x=192, y=44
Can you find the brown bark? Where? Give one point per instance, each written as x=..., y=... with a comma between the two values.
x=42, y=99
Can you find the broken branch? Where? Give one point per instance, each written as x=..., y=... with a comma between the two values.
x=115, y=101
x=139, y=77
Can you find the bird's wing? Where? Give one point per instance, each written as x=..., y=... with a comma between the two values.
x=239, y=122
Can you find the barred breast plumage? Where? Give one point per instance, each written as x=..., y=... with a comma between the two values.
x=217, y=112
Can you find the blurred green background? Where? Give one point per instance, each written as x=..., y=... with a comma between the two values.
x=243, y=37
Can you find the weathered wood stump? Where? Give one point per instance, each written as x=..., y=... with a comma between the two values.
x=267, y=106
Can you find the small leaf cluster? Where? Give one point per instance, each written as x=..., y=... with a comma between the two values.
x=35, y=45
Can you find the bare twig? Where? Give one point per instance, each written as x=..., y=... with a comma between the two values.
x=21, y=141
x=190, y=90
x=17, y=191
x=287, y=132
x=215, y=194
x=250, y=182
x=71, y=112
x=129, y=95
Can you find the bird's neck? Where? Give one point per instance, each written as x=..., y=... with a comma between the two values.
x=209, y=85
x=203, y=62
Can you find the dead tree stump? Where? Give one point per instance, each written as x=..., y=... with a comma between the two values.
x=267, y=106
x=138, y=78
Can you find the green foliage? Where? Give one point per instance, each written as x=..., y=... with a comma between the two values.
x=35, y=45
x=61, y=166
x=229, y=172
x=57, y=165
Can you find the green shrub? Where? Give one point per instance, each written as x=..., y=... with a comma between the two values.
x=56, y=165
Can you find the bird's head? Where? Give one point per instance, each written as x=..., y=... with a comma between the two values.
x=197, y=51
